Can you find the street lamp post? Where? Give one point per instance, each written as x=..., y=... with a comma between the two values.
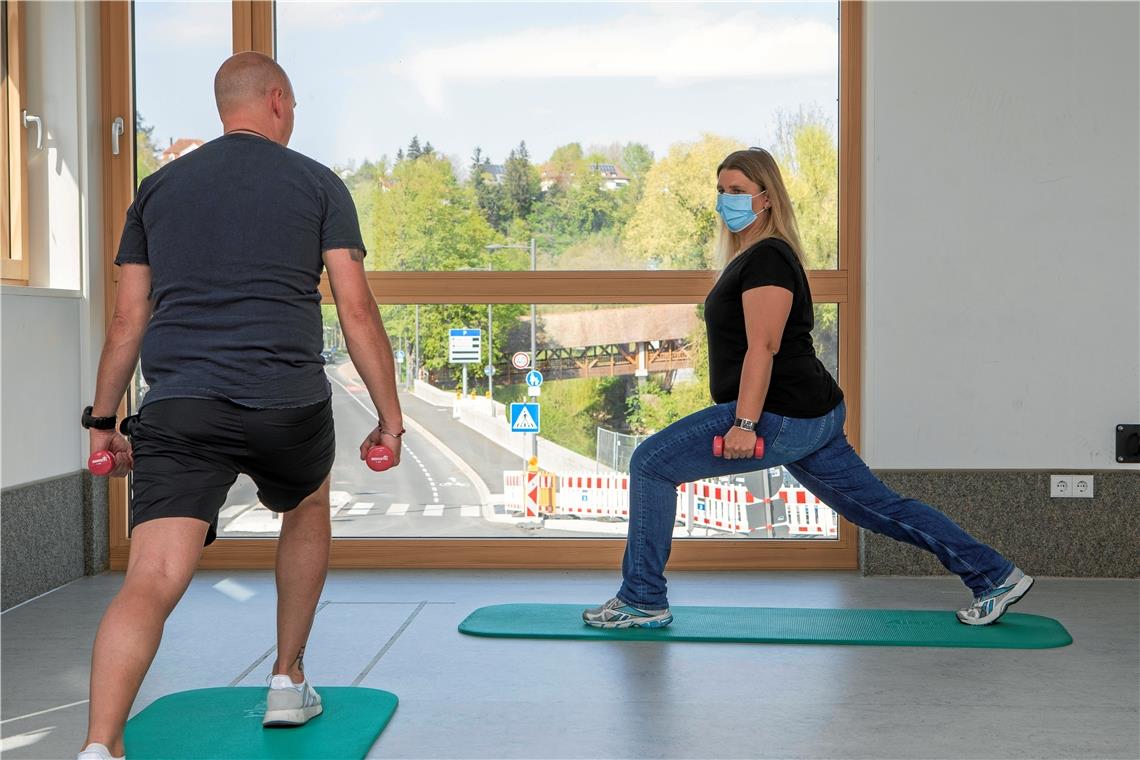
x=490, y=369
x=533, y=348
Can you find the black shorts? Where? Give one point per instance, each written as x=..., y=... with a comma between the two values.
x=189, y=451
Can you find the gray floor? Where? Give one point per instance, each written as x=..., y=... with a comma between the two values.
x=493, y=698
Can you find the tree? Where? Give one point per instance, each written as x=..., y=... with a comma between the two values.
x=636, y=159
x=809, y=161
x=521, y=182
x=146, y=152
x=365, y=184
x=414, y=149
x=567, y=163
x=675, y=223
x=489, y=194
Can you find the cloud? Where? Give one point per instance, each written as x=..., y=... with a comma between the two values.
x=325, y=16
x=667, y=46
x=185, y=24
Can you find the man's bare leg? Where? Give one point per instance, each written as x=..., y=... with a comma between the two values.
x=302, y=563
x=164, y=553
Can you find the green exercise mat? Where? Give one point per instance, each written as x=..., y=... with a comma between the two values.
x=225, y=724
x=776, y=625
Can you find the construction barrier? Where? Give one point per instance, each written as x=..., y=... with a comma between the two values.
x=593, y=495
x=806, y=515
x=722, y=506
x=715, y=505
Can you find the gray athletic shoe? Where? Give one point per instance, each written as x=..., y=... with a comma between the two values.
x=290, y=704
x=617, y=614
x=989, y=607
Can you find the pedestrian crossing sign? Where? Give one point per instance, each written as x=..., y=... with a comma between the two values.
x=524, y=418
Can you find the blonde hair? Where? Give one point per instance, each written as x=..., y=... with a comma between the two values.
x=779, y=221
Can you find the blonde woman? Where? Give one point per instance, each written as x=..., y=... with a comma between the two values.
x=767, y=381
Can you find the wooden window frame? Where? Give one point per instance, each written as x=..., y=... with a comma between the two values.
x=254, y=30
x=14, y=260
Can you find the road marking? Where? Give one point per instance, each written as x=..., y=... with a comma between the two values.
x=397, y=510
x=469, y=510
x=360, y=508
x=433, y=510
x=427, y=436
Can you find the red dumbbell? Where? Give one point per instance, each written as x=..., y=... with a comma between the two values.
x=718, y=447
x=379, y=458
x=100, y=463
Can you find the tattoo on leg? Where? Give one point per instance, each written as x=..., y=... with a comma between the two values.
x=300, y=661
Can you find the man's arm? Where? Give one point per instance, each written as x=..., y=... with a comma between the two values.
x=119, y=359
x=368, y=344
x=124, y=339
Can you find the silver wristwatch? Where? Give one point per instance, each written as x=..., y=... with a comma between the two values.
x=743, y=424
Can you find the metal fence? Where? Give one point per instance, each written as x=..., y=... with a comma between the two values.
x=615, y=449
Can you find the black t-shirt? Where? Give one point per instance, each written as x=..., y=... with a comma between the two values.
x=234, y=234
x=800, y=386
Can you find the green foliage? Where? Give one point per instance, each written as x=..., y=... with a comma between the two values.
x=489, y=194
x=425, y=220
x=572, y=213
x=521, y=183
x=809, y=161
x=636, y=160
x=146, y=152
x=365, y=183
x=656, y=407
x=675, y=222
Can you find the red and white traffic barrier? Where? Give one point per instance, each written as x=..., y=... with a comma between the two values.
x=806, y=515
x=708, y=504
x=593, y=495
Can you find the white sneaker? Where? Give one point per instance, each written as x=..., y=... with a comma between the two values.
x=97, y=751
x=290, y=704
x=989, y=607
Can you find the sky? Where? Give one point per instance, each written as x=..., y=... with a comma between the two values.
x=368, y=76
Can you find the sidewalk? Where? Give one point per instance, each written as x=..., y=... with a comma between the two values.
x=477, y=414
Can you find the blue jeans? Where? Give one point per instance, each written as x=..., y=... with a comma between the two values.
x=818, y=455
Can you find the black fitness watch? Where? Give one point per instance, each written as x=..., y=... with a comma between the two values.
x=98, y=423
x=744, y=424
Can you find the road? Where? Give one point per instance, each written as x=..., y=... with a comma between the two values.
x=429, y=495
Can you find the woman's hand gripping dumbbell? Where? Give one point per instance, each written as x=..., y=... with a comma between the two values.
x=718, y=447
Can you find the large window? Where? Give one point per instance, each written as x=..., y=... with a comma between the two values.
x=544, y=174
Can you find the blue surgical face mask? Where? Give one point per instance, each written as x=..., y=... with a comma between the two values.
x=736, y=209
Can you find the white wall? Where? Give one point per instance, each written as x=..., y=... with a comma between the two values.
x=51, y=335
x=1002, y=234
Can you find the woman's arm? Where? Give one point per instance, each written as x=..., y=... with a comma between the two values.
x=766, y=311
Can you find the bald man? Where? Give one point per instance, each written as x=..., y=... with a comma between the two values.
x=220, y=262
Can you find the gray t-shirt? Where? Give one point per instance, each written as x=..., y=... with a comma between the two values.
x=234, y=234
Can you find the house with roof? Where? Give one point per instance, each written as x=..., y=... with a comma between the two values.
x=179, y=148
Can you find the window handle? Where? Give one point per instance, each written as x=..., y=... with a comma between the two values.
x=29, y=120
x=116, y=131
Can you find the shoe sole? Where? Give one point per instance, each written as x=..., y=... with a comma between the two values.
x=298, y=717
x=632, y=623
x=1013, y=597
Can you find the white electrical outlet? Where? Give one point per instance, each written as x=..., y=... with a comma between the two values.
x=1083, y=486
x=1060, y=486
